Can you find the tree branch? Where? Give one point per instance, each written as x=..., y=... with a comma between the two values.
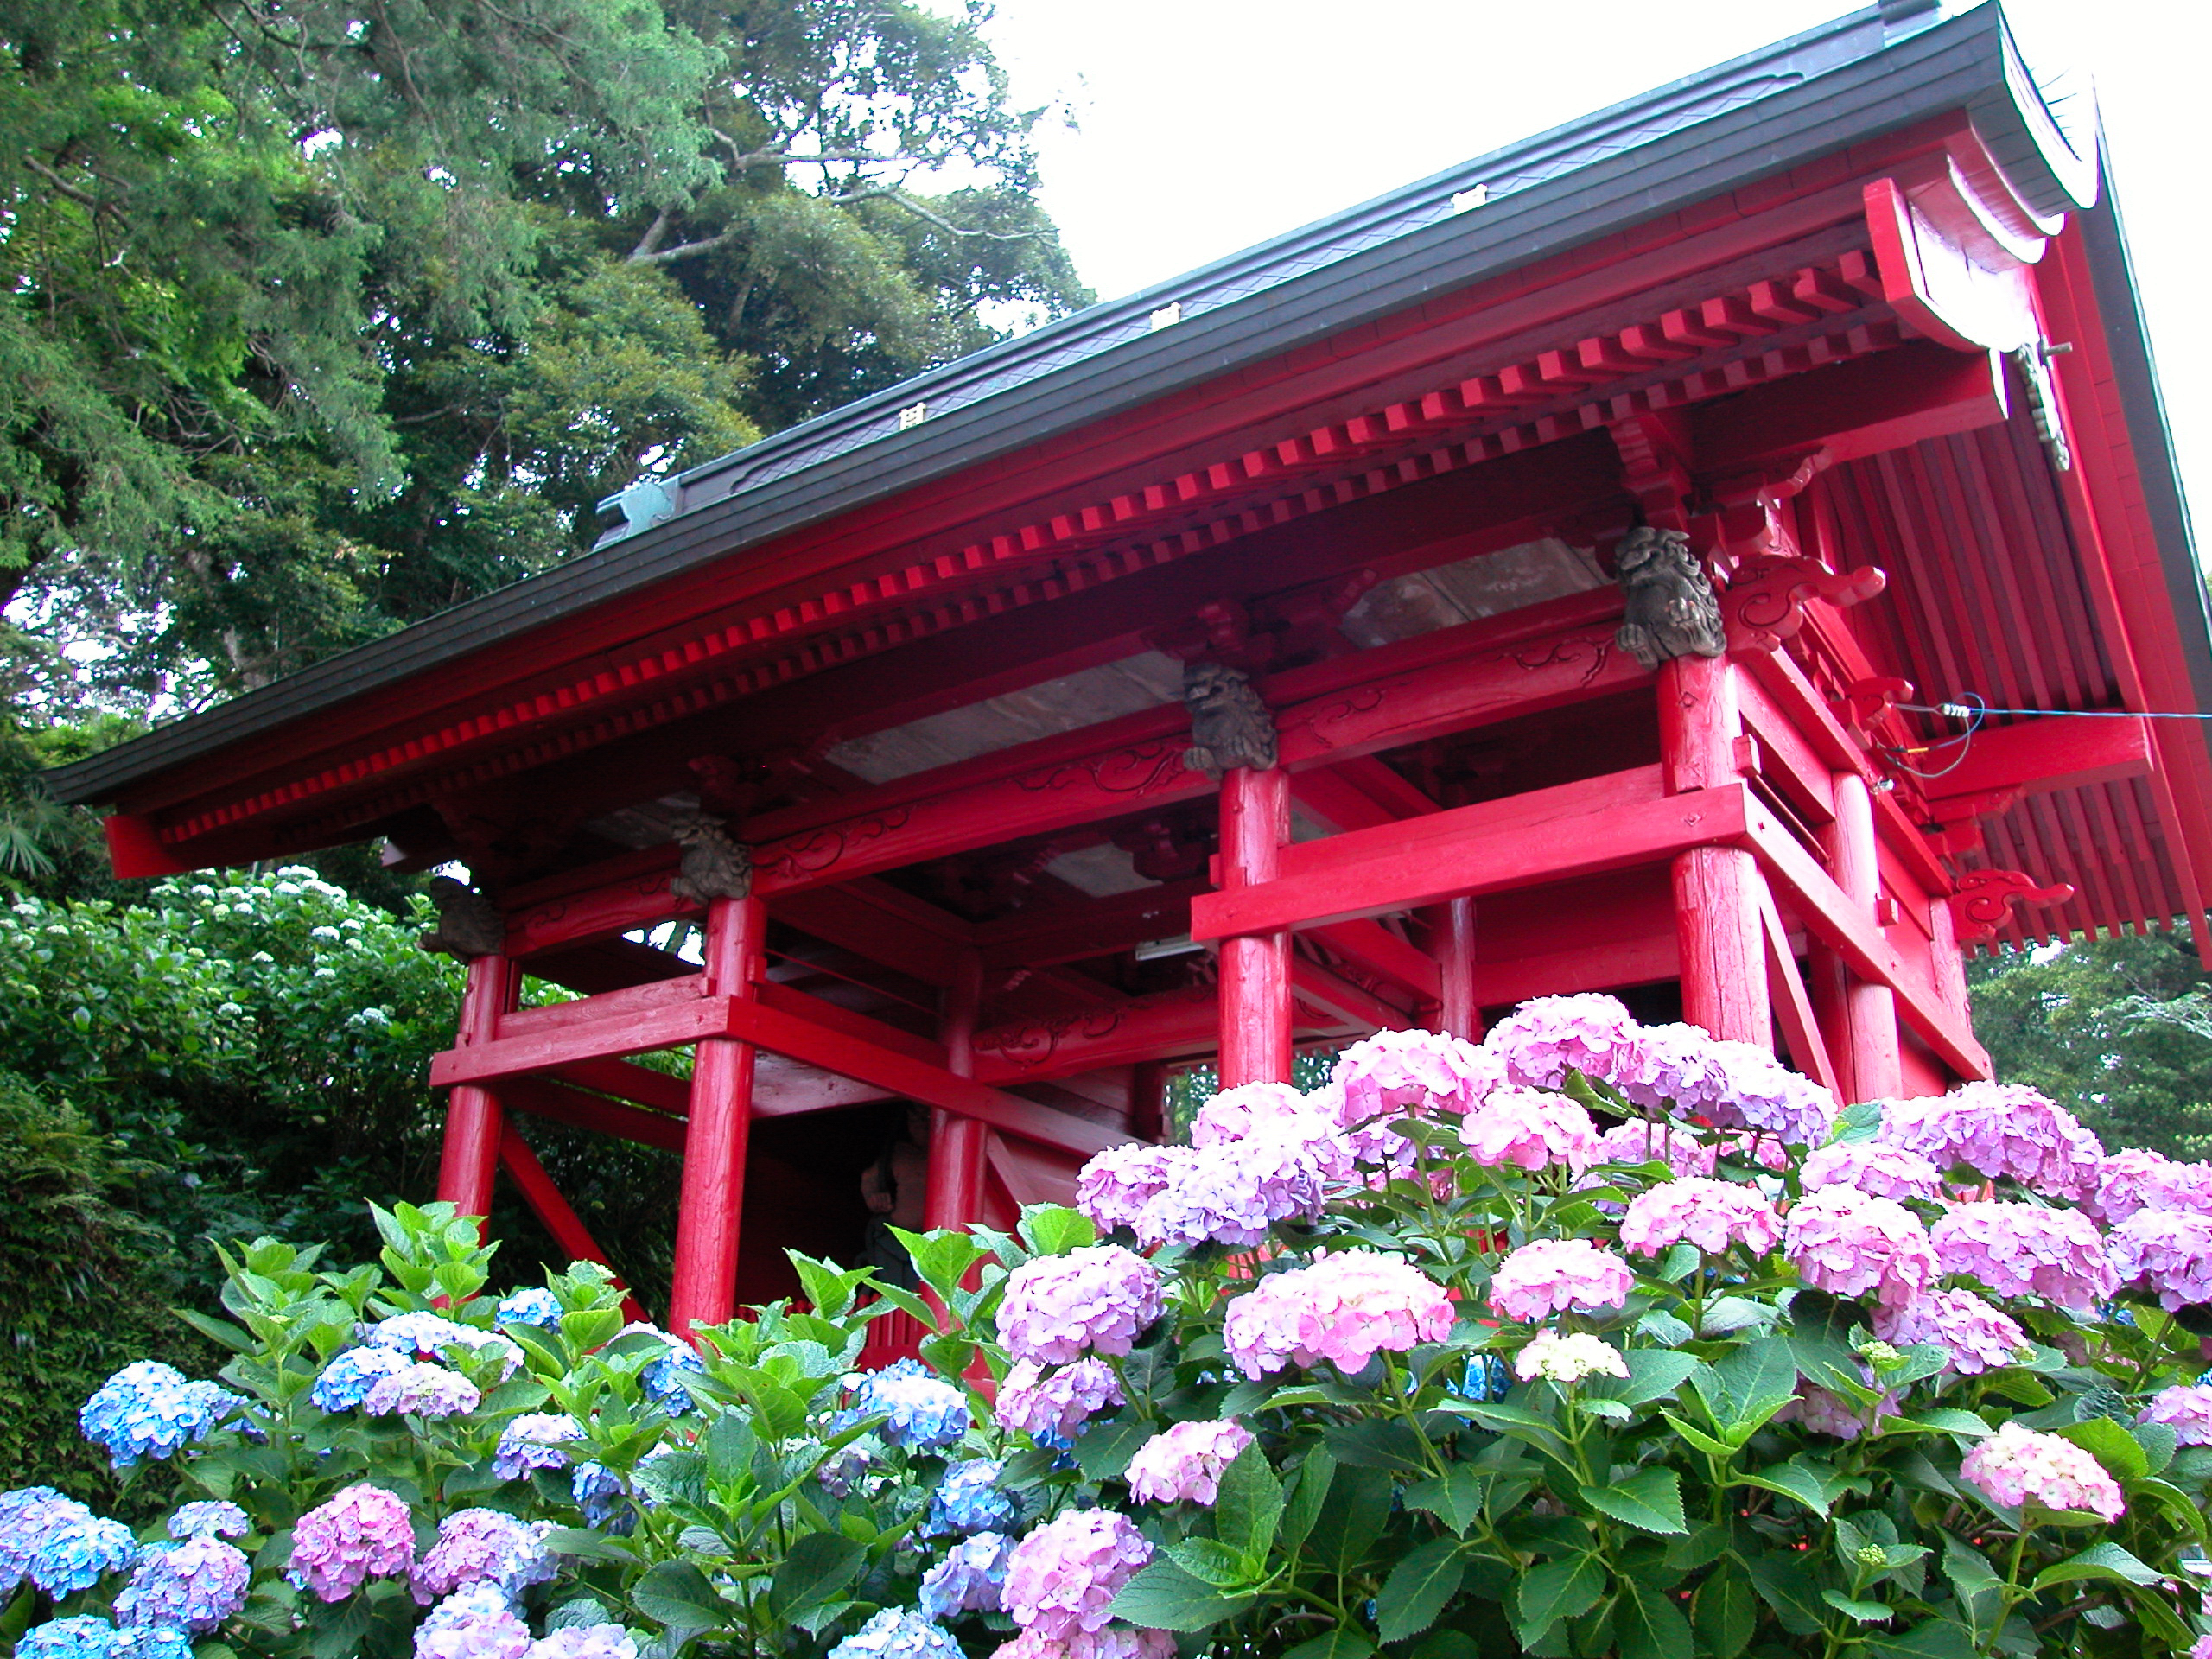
x=682, y=251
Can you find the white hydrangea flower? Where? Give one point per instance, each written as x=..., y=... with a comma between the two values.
x=1568, y=1359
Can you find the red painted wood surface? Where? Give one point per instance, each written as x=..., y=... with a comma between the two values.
x=1171, y=1024
x=958, y=1143
x=702, y=1287
x=1793, y=1006
x=1255, y=979
x=554, y=1210
x=1337, y=999
x=1870, y=1008
x=545, y=1098
x=1718, y=888
x=469, y=1160
x=1458, y=1012
x=2043, y=755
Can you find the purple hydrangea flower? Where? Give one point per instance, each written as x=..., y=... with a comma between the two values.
x=968, y=1499
x=193, y=1585
x=1649, y=1142
x=1712, y=1215
x=1252, y=1108
x=970, y=1579
x=1560, y=1275
x=585, y=1641
x=477, y=1623
x=896, y=1633
x=149, y=1642
x=59, y=1544
x=1830, y=1414
x=2016, y=1466
x=346, y=1380
x=1230, y=1194
x=1055, y=1307
x=2168, y=1250
x=533, y=1306
x=1759, y=1094
x=151, y=1411
x=2136, y=1179
x=1345, y=1308
x=534, y=1440
x=1185, y=1462
x=1114, y=1642
x=430, y=1336
x=1540, y=1041
x=81, y=1637
x=1050, y=1406
x=2023, y=1249
x=1061, y=1578
x=663, y=1380
x=1978, y=1337
x=1672, y=1069
x=1394, y=1073
x=603, y=1498
x=1999, y=1130
x=1842, y=1240
x=1873, y=1166
x=421, y=1391
x=1529, y=1129
x=1117, y=1186
x=206, y=1518
x=921, y=1409
x=363, y=1533
x=483, y=1546
x=2186, y=1409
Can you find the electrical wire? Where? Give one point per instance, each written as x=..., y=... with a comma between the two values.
x=1963, y=711
x=1972, y=713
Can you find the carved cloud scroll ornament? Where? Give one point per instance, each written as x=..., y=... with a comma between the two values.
x=469, y=924
x=715, y=864
x=1984, y=900
x=1672, y=611
x=1766, y=605
x=1230, y=725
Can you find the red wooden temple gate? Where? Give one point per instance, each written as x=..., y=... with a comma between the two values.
x=1248, y=665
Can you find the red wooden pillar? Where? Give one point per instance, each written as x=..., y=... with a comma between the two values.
x=1716, y=889
x=1452, y=933
x=1254, y=968
x=710, y=1204
x=956, y=1144
x=469, y=1161
x=1870, y=1010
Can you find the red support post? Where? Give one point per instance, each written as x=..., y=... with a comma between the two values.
x=1255, y=1001
x=1716, y=887
x=710, y=1204
x=957, y=1143
x=469, y=1160
x=1452, y=937
x=1869, y=1009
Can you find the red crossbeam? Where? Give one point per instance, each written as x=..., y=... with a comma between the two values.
x=549, y=1207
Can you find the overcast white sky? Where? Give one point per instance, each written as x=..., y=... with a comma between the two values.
x=1206, y=125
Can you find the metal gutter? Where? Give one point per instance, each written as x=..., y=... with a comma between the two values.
x=1835, y=86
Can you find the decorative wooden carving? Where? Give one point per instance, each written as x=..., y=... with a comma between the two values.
x=715, y=865
x=1984, y=900
x=469, y=924
x=1867, y=702
x=1671, y=608
x=1230, y=725
x=1165, y=849
x=1766, y=605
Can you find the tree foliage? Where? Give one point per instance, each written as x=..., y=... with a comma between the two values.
x=2118, y=1031
x=324, y=316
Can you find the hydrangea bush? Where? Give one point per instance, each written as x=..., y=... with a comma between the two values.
x=1589, y=1339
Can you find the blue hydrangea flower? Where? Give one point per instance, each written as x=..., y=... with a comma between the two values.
x=150, y=1642
x=67, y=1638
x=64, y=1547
x=921, y=1411
x=533, y=1440
x=535, y=1306
x=601, y=1495
x=968, y=1499
x=1488, y=1379
x=346, y=1380
x=428, y=1336
x=970, y=1579
x=150, y=1410
x=663, y=1379
x=193, y=1586
x=897, y=1633
x=207, y=1518
x=842, y=1468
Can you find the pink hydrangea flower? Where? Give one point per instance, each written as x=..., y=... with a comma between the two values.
x=1763, y=1151
x=1345, y=1308
x=1234, y=1113
x=1672, y=1068
x=1874, y=1166
x=1231, y=1193
x=1710, y=1214
x=1978, y=1337
x=363, y=1533
x=1394, y=1073
x=483, y=1546
x=1682, y=1069
x=2186, y=1409
x=473, y=1624
x=1529, y=1129
x=2136, y=1179
x=2016, y=1466
x=1061, y=1578
x=1850, y=1242
x=2170, y=1250
x=1649, y=1142
x=1116, y=1185
x=1115, y=1642
x=1540, y=1041
x=1100, y=1297
x=1050, y=1406
x=1560, y=1275
x=1824, y=1412
x=2021, y=1249
x=1184, y=1463
x=1999, y=1129
x=423, y=1390
x=585, y=1641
